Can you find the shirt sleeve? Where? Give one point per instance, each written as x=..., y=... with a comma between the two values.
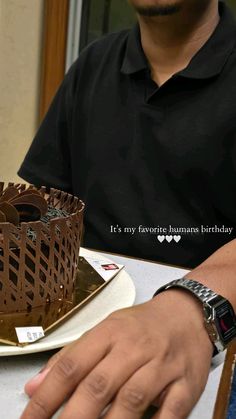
x=47, y=163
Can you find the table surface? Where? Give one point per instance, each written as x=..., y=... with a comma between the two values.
x=147, y=277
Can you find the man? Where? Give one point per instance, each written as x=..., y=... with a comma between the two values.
x=143, y=129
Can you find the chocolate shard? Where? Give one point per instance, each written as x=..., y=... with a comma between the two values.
x=9, y=193
x=33, y=200
x=10, y=213
x=2, y=217
x=30, y=191
x=28, y=212
x=13, y=198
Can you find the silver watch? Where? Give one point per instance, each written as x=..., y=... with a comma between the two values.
x=219, y=316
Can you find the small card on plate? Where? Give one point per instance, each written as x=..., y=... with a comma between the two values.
x=107, y=270
x=29, y=334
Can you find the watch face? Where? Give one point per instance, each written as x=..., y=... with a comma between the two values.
x=225, y=319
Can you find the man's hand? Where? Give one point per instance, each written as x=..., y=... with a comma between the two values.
x=157, y=352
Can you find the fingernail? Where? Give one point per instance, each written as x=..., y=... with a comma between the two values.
x=43, y=369
x=34, y=381
x=41, y=374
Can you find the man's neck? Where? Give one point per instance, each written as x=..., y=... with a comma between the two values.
x=170, y=42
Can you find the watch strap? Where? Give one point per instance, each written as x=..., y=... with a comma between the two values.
x=203, y=293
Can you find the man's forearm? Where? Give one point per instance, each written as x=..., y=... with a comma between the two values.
x=218, y=272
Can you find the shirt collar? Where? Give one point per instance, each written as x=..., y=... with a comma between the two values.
x=134, y=58
x=207, y=62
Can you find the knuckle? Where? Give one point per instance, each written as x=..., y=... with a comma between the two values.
x=178, y=408
x=65, y=368
x=133, y=399
x=54, y=359
x=117, y=318
x=112, y=323
x=39, y=408
x=110, y=330
x=96, y=385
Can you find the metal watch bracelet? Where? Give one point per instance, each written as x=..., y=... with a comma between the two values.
x=199, y=290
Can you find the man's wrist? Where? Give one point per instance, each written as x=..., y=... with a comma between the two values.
x=217, y=312
x=188, y=311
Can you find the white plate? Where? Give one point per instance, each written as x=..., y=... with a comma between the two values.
x=119, y=293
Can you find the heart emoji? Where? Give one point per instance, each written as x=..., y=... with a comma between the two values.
x=177, y=238
x=161, y=238
x=169, y=238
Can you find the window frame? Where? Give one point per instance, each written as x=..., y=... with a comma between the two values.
x=55, y=26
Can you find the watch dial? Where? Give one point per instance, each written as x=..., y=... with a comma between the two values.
x=226, y=322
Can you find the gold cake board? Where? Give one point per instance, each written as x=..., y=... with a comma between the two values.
x=88, y=283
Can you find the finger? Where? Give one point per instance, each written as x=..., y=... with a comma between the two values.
x=66, y=373
x=139, y=391
x=177, y=404
x=157, y=402
x=34, y=382
x=32, y=385
x=100, y=386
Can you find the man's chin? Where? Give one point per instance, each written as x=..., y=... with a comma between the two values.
x=158, y=10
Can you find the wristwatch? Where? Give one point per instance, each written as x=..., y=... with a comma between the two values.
x=219, y=316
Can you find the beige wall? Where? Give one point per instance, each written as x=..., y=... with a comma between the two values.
x=20, y=55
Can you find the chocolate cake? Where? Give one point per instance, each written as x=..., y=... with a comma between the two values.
x=40, y=233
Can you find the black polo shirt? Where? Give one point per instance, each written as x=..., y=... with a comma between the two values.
x=156, y=167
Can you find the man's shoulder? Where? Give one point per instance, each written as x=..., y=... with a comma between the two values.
x=110, y=45
x=104, y=54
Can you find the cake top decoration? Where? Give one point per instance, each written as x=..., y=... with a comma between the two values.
x=21, y=206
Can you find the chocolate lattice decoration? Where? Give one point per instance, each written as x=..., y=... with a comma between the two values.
x=40, y=268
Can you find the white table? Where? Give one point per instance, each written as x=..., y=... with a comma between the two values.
x=147, y=277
